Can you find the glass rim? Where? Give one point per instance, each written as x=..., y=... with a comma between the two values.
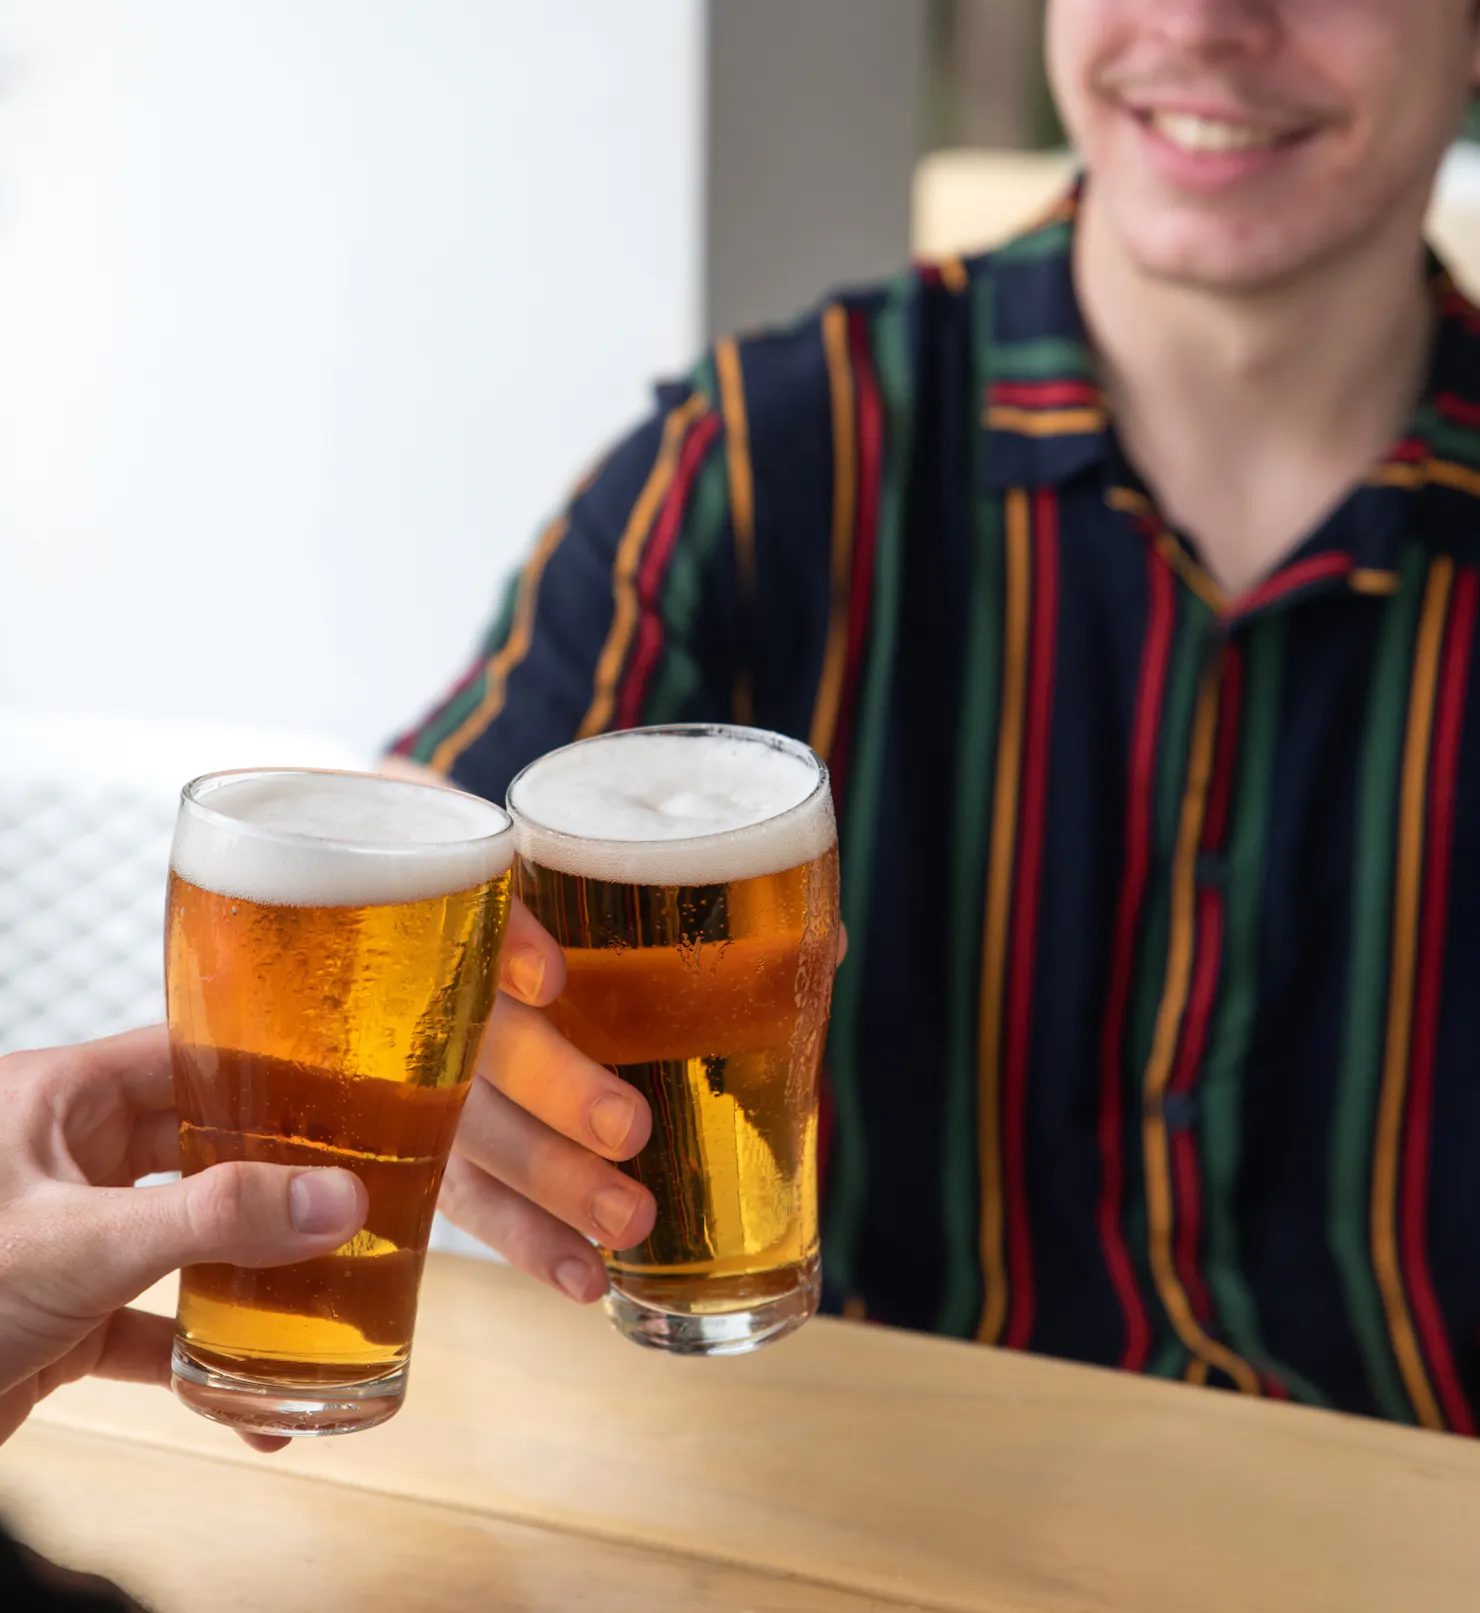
x=191, y=801
x=767, y=737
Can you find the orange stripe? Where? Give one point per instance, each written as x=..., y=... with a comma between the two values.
x=1190, y=572
x=1411, y=802
x=1129, y=502
x=1397, y=475
x=835, y=653
x=1197, y=1372
x=629, y=555
x=737, y=458
x=515, y=648
x=1000, y=861
x=953, y=275
x=742, y=496
x=1159, y=1213
x=1045, y=422
x=1363, y=580
x=1459, y=477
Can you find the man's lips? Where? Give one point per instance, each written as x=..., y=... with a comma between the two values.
x=1208, y=133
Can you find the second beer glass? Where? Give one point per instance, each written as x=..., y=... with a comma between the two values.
x=690, y=874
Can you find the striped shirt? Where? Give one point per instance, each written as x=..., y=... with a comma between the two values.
x=1158, y=1042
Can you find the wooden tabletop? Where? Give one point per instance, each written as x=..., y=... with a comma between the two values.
x=541, y=1463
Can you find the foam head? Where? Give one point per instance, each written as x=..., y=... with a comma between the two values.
x=312, y=839
x=674, y=806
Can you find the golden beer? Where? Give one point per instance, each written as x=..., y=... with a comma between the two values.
x=331, y=942
x=690, y=875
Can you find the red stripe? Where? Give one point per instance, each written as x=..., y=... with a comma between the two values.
x=1448, y=723
x=1410, y=451
x=406, y=743
x=1460, y=410
x=870, y=435
x=1045, y=394
x=870, y=422
x=1155, y=656
x=655, y=558
x=1019, y=1026
x=1187, y=1204
x=1457, y=307
x=1334, y=563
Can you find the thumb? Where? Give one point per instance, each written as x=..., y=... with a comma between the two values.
x=239, y=1213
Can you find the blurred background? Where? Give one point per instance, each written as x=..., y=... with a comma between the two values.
x=310, y=311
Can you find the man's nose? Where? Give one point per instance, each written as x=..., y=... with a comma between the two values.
x=1216, y=28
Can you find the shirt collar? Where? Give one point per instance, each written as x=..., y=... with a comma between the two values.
x=1042, y=409
x=1046, y=420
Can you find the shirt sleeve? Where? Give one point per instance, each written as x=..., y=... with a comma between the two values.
x=625, y=612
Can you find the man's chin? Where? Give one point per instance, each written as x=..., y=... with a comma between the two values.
x=1215, y=256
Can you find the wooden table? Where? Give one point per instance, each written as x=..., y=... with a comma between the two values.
x=543, y=1464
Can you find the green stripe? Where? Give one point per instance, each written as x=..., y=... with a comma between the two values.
x=448, y=718
x=1189, y=647
x=890, y=349
x=1051, y=358
x=1233, y=1024
x=1368, y=984
x=1188, y=652
x=976, y=751
x=1170, y=1361
x=679, y=673
x=1446, y=439
x=1048, y=241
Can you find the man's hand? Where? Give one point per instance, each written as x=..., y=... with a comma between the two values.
x=531, y=1172
x=78, y=1125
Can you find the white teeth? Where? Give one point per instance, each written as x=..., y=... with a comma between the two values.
x=1193, y=133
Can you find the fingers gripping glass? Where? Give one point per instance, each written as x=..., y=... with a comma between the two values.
x=691, y=876
x=330, y=951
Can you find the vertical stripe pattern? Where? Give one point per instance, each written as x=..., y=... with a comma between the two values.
x=1141, y=771
x=1453, y=684
x=1158, y=1164
x=1001, y=861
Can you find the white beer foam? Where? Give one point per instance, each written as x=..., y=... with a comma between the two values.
x=336, y=839
x=655, y=808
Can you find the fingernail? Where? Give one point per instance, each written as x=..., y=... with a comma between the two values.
x=577, y=1279
x=611, y=1119
x=322, y=1201
x=611, y=1210
x=524, y=969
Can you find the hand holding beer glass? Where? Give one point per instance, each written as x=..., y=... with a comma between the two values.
x=330, y=960
x=690, y=874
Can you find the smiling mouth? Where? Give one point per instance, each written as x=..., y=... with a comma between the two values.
x=1190, y=131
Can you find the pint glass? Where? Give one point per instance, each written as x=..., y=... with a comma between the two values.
x=330, y=951
x=691, y=876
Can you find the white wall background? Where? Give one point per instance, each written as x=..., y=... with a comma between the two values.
x=309, y=310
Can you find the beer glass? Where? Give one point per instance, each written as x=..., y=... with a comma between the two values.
x=330, y=951
x=690, y=874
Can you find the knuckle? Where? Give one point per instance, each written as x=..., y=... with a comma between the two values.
x=220, y=1201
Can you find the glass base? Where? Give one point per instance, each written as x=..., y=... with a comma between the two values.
x=690, y=1330
x=257, y=1407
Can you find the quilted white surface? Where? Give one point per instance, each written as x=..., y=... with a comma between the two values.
x=82, y=875
x=87, y=809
